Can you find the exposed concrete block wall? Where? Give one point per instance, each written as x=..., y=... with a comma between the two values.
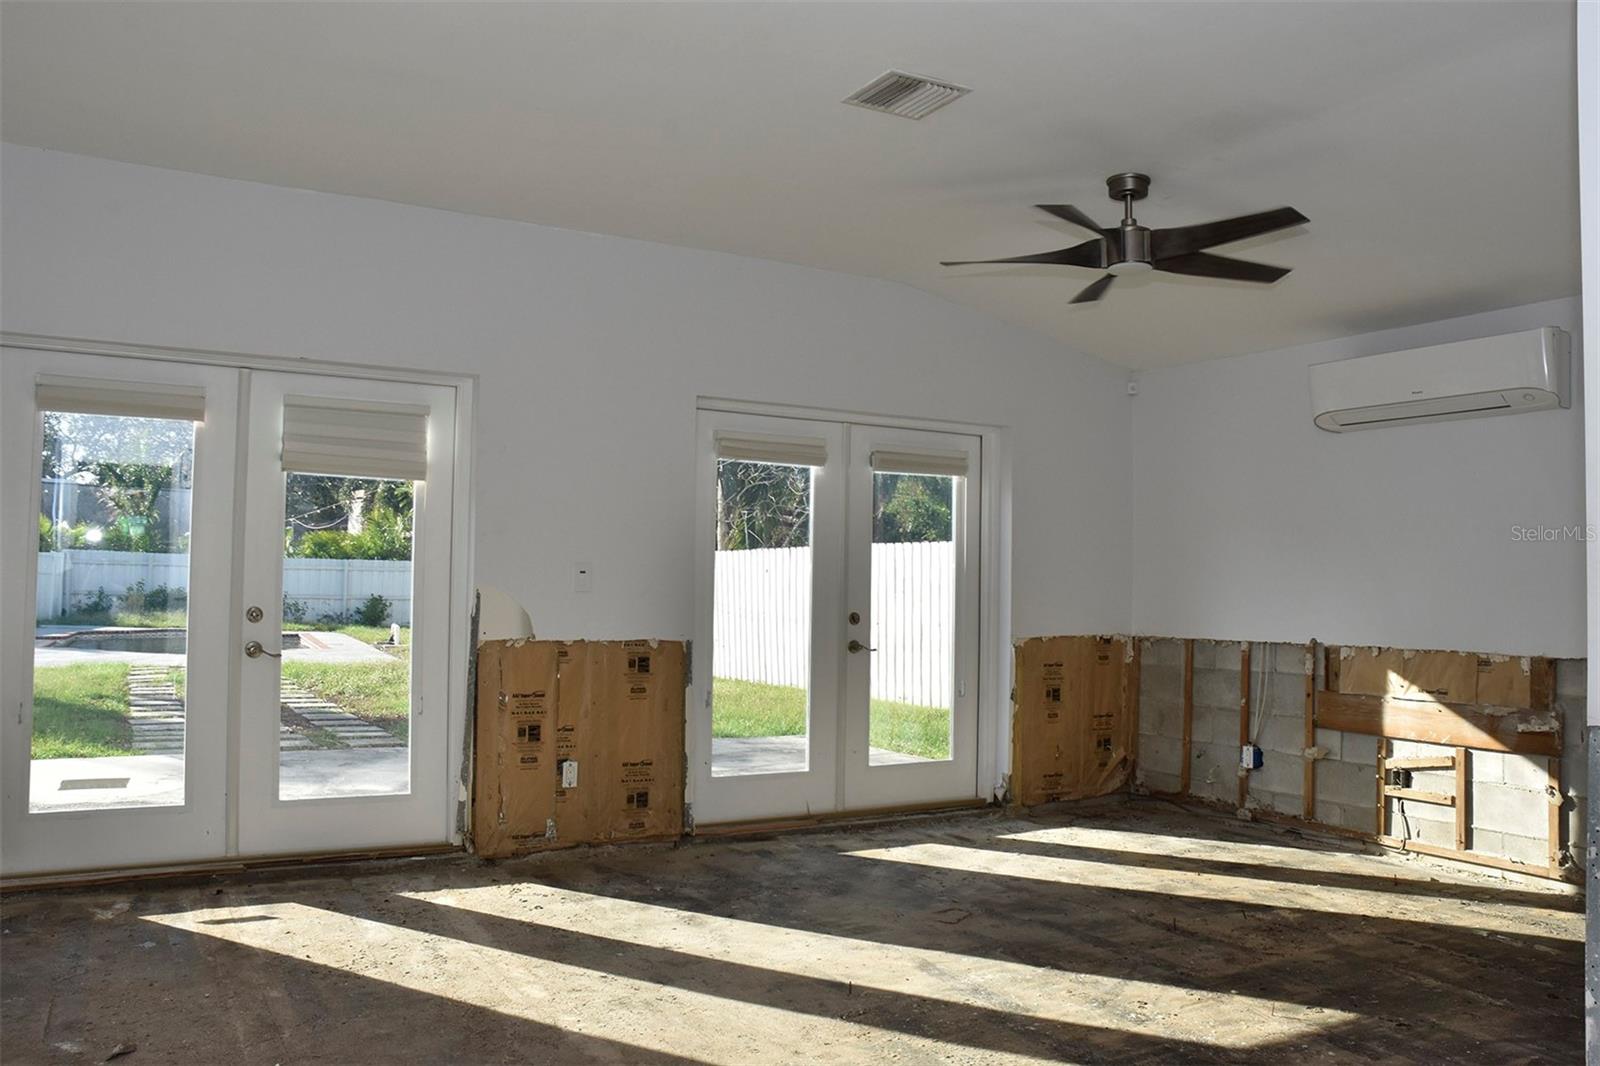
x=1160, y=762
x=1507, y=799
x=1214, y=768
x=1278, y=727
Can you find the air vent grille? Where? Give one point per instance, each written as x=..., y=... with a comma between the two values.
x=906, y=95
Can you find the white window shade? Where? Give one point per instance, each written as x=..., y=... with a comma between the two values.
x=132, y=399
x=787, y=451
x=943, y=464
x=355, y=438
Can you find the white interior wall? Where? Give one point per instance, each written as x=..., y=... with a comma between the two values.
x=591, y=352
x=1249, y=523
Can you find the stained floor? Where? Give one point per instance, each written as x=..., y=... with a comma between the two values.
x=1136, y=933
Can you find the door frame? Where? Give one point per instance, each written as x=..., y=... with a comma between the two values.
x=452, y=820
x=994, y=596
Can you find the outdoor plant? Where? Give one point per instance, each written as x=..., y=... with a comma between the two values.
x=384, y=535
x=97, y=602
x=138, y=599
x=373, y=612
x=293, y=610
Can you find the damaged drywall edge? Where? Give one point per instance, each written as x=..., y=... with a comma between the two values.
x=468, y=747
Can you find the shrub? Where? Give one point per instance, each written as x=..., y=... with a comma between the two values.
x=293, y=610
x=97, y=602
x=137, y=599
x=374, y=612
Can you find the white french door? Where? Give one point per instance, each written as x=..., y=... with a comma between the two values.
x=201, y=654
x=838, y=591
x=105, y=764
x=343, y=744
x=911, y=662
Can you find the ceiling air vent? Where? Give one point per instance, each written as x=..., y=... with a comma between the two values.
x=906, y=95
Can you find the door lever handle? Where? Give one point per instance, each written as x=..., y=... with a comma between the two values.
x=856, y=646
x=255, y=650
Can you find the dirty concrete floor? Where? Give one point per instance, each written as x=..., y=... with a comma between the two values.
x=1136, y=933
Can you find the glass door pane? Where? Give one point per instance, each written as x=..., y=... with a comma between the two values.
x=913, y=617
x=345, y=684
x=110, y=650
x=761, y=589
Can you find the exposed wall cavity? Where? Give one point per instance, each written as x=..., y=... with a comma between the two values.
x=1194, y=721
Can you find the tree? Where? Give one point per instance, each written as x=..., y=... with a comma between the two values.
x=912, y=507
x=132, y=492
x=762, y=505
x=317, y=502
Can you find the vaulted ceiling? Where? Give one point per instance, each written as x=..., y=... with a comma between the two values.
x=1432, y=145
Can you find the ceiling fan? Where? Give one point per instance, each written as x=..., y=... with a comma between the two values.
x=1131, y=248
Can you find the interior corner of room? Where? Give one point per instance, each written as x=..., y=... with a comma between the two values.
x=726, y=533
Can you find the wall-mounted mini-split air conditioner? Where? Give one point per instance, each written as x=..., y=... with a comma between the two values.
x=1506, y=375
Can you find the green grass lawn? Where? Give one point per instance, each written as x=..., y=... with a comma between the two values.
x=81, y=711
x=123, y=619
x=752, y=709
x=380, y=692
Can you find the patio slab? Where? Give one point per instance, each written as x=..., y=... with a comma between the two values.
x=157, y=780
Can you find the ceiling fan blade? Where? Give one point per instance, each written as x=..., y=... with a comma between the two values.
x=1088, y=254
x=1206, y=265
x=1181, y=240
x=1074, y=216
x=1094, y=290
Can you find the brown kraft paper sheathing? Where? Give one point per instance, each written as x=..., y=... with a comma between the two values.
x=1071, y=728
x=577, y=742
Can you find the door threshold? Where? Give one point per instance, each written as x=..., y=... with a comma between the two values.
x=219, y=867
x=832, y=819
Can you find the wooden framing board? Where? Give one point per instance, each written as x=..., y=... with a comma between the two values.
x=1541, y=695
x=1463, y=760
x=1130, y=704
x=1244, y=718
x=1477, y=858
x=1308, y=789
x=1442, y=799
x=1505, y=729
x=1425, y=762
x=1188, y=716
x=1382, y=801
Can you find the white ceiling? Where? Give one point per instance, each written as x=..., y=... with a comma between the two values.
x=1432, y=145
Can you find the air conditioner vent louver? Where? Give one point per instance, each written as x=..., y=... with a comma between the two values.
x=906, y=95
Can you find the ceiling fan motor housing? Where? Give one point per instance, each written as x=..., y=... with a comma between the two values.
x=1135, y=242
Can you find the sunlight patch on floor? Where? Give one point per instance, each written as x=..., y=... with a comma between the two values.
x=1309, y=860
x=1061, y=995
x=579, y=1000
x=1232, y=888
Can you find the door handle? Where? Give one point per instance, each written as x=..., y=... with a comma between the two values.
x=255, y=650
x=856, y=646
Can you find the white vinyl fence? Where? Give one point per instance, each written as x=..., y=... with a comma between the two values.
x=762, y=619
x=324, y=586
